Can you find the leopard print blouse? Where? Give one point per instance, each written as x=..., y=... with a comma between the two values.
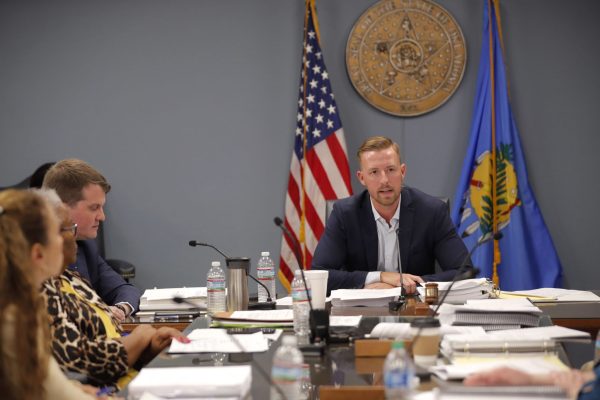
x=79, y=339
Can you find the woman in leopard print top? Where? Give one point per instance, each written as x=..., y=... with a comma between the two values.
x=86, y=337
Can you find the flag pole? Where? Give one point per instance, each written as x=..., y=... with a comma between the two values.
x=497, y=255
x=301, y=234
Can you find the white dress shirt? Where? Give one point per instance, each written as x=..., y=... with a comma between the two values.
x=388, y=247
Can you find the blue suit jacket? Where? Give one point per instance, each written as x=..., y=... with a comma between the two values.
x=106, y=282
x=349, y=246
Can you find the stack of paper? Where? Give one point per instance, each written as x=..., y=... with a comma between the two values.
x=485, y=345
x=402, y=330
x=492, y=314
x=255, y=319
x=534, y=365
x=363, y=297
x=195, y=382
x=162, y=299
x=544, y=295
x=461, y=291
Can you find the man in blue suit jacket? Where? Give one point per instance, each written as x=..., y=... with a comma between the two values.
x=365, y=232
x=84, y=191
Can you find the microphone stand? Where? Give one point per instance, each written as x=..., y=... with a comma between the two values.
x=395, y=305
x=318, y=319
x=270, y=304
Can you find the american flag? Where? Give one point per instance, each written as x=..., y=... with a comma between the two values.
x=319, y=170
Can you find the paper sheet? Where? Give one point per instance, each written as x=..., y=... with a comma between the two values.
x=218, y=341
x=169, y=293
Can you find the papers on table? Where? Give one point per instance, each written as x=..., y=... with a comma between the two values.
x=461, y=291
x=162, y=299
x=218, y=341
x=511, y=341
x=363, y=297
x=544, y=295
x=340, y=320
x=492, y=314
x=255, y=318
x=543, y=333
x=462, y=368
x=186, y=382
x=402, y=330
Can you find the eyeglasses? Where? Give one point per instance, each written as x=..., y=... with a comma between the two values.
x=72, y=229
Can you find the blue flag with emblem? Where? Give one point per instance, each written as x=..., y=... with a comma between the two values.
x=493, y=193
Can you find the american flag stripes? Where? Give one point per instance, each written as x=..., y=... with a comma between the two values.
x=319, y=169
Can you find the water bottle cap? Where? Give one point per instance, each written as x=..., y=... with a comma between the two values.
x=216, y=263
x=265, y=254
x=289, y=340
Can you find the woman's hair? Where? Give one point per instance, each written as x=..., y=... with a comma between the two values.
x=24, y=220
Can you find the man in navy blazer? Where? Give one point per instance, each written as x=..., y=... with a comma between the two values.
x=108, y=284
x=365, y=232
x=84, y=190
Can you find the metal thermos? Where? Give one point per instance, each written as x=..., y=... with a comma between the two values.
x=237, y=280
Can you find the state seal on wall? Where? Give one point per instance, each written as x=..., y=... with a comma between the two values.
x=406, y=57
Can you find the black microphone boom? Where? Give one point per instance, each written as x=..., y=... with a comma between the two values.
x=296, y=246
x=270, y=304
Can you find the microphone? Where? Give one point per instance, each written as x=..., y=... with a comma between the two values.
x=461, y=274
x=259, y=368
x=318, y=319
x=296, y=246
x=268, y=305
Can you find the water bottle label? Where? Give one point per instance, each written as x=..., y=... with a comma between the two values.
x=265, y=273
x=299, y=294
x=215, y=285
x=285, y=374
x=397, y=379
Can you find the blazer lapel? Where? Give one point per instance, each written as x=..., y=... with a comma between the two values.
x=407, y=212
x=369, y=232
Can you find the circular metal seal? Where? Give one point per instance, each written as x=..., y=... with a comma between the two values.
x=406, y=57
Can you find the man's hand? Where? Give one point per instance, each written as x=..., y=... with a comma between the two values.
x=570, y=381
x=409, y=282
x=117, y=313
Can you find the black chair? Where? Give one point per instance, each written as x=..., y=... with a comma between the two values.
x=122, y=267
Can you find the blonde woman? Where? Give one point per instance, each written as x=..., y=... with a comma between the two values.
x=31, y=251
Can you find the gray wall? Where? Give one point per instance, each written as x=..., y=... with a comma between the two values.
x=188, y=107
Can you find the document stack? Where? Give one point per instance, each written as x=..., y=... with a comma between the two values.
x=492, y=314
x=468, y=289
x=193, y=382
x=162, y=299
x=363, y=297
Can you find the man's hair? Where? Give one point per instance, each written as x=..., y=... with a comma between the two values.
x=69, y=177
x=376, y=143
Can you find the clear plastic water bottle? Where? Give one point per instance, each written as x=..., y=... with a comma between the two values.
x=266, y=275
x=398, y=373
x=286, y=372
x=301, y=309
x=215, y=286
x=306, y=386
